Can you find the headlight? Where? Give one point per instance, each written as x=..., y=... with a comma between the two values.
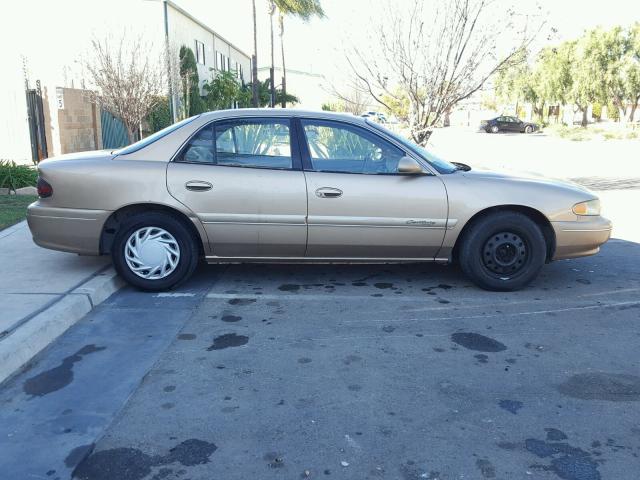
x=592, y=207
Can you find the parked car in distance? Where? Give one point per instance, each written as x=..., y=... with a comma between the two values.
x=375, y=116
x=257, y=185
x=506, y=123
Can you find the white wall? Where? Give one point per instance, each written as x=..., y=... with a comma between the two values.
x=185, y=31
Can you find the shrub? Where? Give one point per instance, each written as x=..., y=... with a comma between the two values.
x=14, y=176
x=160, y=116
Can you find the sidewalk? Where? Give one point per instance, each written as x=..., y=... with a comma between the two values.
x=42, y=293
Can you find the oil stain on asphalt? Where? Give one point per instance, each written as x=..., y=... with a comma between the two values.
x=241, y=301
x=614, y=387
x=58, y=377
x=510, y=406
x=477, y=342
x=566, y=461
x=133, y=464
x=228, y=340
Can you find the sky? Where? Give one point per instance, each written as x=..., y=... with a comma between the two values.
x=315, y=46
x=52, y=35
x=47, y=32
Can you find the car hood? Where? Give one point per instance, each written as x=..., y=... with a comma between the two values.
x=89, y=155
x=529, y=178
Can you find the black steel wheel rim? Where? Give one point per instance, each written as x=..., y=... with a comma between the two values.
x=505, y=254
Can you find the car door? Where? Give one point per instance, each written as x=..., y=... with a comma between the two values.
x=514, y=124
x=243, y=179
x=503, y=124
x=359, y=206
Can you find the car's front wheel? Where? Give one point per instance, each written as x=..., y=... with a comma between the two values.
x=154, y=251
x=503, y=251
x=494, y=129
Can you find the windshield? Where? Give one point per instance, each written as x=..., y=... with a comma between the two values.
x=134, y=147
x=441, y=165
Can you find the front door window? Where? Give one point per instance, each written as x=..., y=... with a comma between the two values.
x=336, y=147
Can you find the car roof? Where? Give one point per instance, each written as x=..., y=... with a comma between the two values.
x=282, y=112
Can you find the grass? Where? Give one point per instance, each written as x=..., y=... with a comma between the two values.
x=13, y=208
x=591, y=132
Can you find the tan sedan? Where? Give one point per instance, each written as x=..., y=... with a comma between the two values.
x=290, y=186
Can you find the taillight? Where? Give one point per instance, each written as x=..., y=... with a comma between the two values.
x=44, y=189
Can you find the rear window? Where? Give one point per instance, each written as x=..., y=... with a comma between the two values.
x=134, y=147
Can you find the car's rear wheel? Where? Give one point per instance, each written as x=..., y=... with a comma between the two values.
x=154, y=251
x=503, y=251
x=494, y=129
x=528, y=129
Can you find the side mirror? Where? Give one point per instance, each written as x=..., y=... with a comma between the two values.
x=409, y=166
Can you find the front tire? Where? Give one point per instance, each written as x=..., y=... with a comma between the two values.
x=503, y=251
x=154, y=251
x=494, y=129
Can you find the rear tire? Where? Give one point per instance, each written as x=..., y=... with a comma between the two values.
x=503, y=251
x=154, y=251
x=494, y=129
x=528, y=129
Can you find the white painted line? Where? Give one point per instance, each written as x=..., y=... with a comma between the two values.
x=504, y=314
x=306, y=297
x=174, y=294
x=610, y=292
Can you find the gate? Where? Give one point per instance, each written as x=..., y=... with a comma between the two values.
x=35, y=115
x=114, y=133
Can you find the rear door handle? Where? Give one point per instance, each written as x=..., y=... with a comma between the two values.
x=198, y=186
x=328, y=192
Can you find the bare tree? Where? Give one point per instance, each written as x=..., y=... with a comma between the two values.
x=433, y=59
x=354, y=97
x=128, y=82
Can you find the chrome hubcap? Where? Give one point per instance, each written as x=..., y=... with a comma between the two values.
x=152, y=253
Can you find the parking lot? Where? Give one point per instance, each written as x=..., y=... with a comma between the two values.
x=349, y=371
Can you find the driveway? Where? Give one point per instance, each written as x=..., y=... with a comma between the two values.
x=349, y=372
x=352, y=372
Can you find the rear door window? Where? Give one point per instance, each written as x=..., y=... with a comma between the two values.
x=253, y=143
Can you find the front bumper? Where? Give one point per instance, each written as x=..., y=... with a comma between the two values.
x=582, y=237
x=66, y=229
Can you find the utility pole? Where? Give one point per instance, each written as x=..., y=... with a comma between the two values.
x=272, y=73
x=173, y=107
x=254, y=60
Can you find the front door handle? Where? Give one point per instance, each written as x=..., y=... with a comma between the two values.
x=198, y=186
x=328, y=192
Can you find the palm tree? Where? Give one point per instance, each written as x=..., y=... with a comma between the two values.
x=304, y=9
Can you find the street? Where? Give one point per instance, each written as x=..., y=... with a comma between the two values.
x=344, y=371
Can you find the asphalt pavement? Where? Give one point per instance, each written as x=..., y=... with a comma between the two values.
x=341, y=371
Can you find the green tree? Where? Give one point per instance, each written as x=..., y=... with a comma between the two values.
x=160, y=115
x=222, y=91
x=191, y=100
x=522, y=82
x=631, y=69
x=264, y=95
x=304, y=9
x=514, y=83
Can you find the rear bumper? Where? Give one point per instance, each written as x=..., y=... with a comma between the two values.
x=580, y=238
x=67, y=229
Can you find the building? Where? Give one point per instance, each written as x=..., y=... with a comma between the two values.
x=45, y=92
x=212, y=51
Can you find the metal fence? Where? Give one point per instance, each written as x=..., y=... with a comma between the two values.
x=114, y=133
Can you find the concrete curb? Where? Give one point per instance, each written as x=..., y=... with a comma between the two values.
x=34, y=335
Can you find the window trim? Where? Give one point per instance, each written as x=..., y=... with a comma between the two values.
x=296, y=163
x=204, y=56
x=306, y=154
